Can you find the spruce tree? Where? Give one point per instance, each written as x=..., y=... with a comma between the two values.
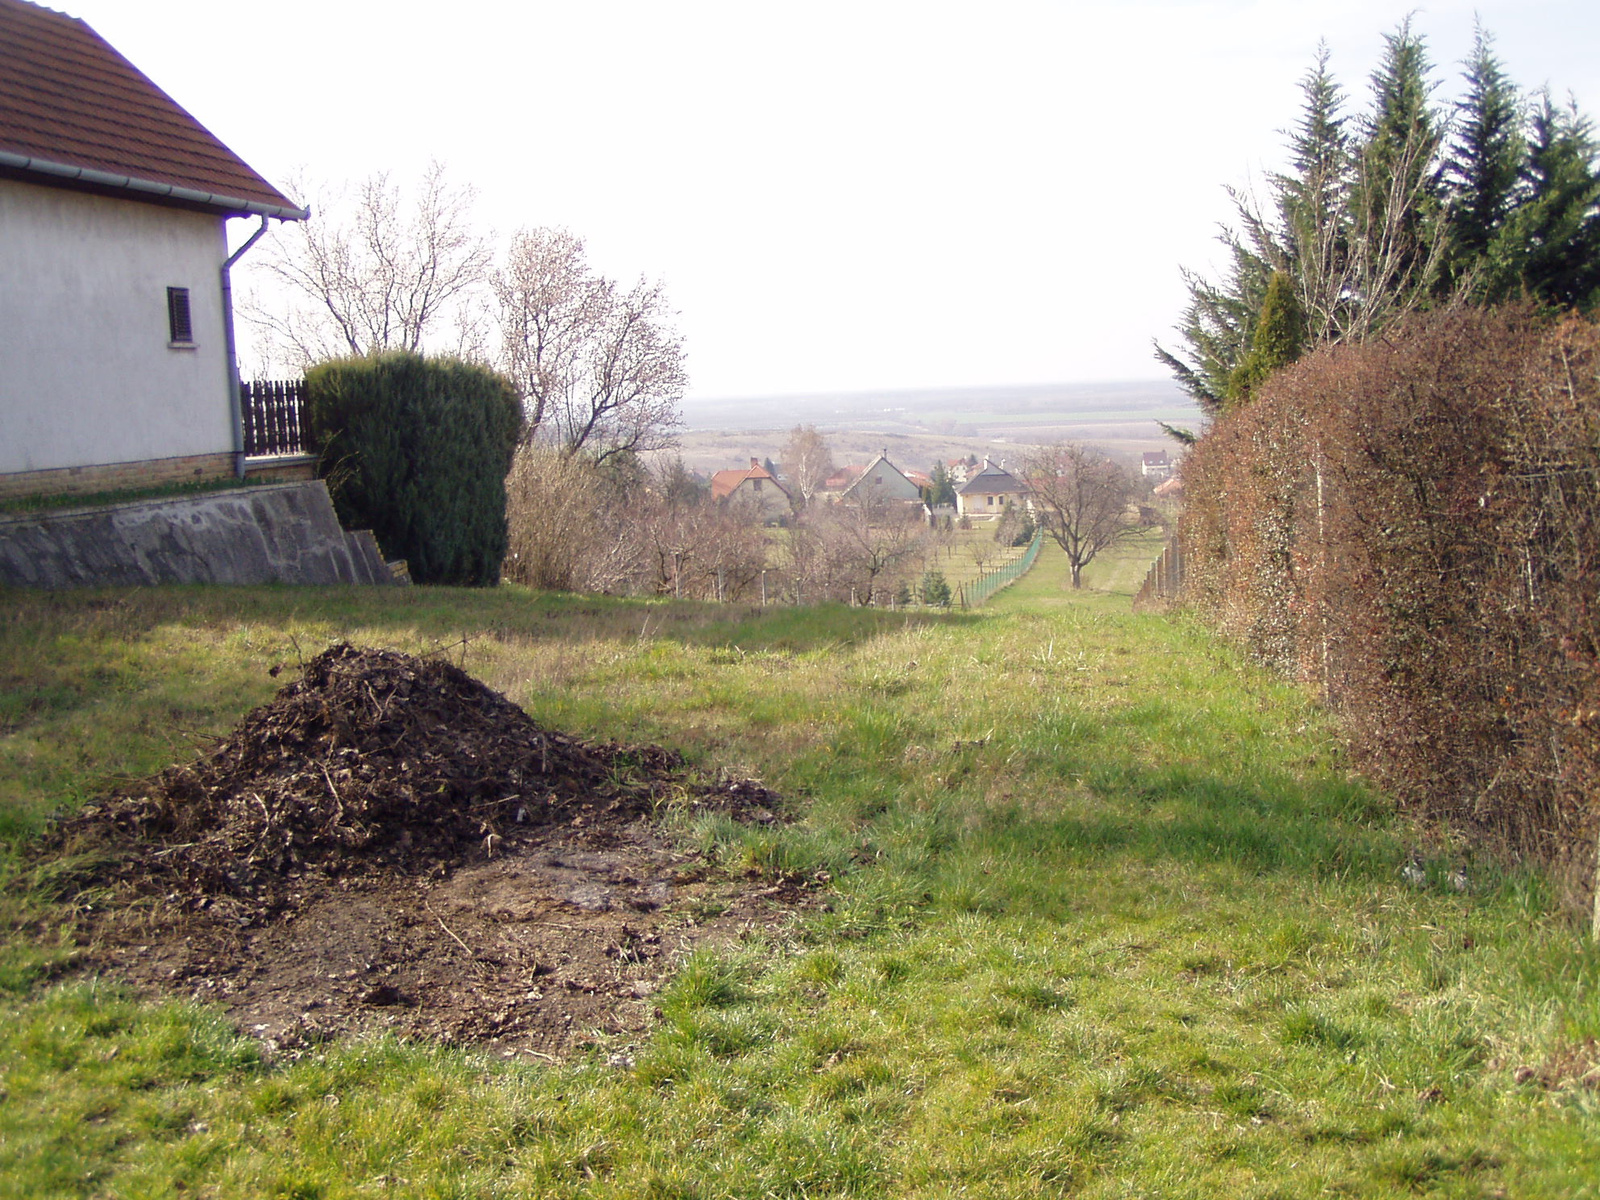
x=1397, y=198
x=1485, y=166
x=1313, y=200
x=1217, y=325
x=1550, y=245
x=1377, y=217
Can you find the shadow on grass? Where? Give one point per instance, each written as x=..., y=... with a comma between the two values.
x=447, y=614
x=1027, y=861
x=1318, y=829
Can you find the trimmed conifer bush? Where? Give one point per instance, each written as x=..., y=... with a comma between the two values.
x=417, y=449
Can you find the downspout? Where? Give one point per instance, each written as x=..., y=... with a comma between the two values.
x=235, y=397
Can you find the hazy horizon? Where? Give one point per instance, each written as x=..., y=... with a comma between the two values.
x=922, y=425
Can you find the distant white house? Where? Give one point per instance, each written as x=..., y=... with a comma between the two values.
x=1156, y=464
x=116, y=355
x=988, y=492
x=881, y=480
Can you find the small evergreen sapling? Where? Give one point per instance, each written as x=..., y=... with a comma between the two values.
x=1279, y=339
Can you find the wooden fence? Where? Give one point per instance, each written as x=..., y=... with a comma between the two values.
x=270, y=409
x=1164, y=580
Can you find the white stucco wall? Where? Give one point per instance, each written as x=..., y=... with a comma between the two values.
x=86, y=375
x=886, y=483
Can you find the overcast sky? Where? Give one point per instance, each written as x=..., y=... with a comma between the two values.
x=838, y=196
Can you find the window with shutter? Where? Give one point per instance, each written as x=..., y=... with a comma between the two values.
x=179, y=324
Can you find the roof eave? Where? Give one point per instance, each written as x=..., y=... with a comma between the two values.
x=148, y=189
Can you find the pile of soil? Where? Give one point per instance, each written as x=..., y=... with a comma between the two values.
x=390, y=842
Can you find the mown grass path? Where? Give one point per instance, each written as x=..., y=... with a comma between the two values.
x=1110, y=919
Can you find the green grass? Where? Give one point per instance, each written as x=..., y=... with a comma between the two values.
x=1112, y=919
x=174, y=491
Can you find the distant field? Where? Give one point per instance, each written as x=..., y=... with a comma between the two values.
x=921, y=427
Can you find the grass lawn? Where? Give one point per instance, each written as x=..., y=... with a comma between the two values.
x=1112, y=919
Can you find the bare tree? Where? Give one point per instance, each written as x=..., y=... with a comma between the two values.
x=372, y=272
x=561, y=522
x=983, y=551
x=600, y=370
x=866, y=538
x=808, y=462
x=800, y=558
x=1082, y=498
x=576, y=525
x=695, y=548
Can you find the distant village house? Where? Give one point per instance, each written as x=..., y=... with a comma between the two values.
x=755, y=489
x=989, y=491
x=882, y=480
x=1156, y=464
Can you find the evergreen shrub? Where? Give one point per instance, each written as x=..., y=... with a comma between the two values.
x=417, y=449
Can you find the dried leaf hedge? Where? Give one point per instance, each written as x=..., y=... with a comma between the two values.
x=1411, y=524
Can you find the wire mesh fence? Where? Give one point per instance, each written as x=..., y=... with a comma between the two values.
x=975, y=591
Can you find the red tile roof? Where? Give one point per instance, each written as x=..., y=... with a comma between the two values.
x=74, y=112
x=724, y=482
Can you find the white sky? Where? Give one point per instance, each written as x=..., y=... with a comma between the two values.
x=839, y=196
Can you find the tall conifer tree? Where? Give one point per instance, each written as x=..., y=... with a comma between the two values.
x=1397, y=197
x=1551, y=244
x=1313, y=199
x=1486, y=158
x=1378, y=217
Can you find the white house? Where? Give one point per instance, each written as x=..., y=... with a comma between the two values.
x=116, y=343
x=1155, y=464
x=988, y=492
x=881, y=480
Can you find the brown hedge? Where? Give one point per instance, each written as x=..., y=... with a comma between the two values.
x=1411, y=524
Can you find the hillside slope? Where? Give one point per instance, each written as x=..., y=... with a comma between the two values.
x=1103, y=914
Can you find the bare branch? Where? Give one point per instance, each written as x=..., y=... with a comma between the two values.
x=366, y=274
x=600, y=371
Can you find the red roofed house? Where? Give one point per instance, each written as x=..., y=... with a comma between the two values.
x=117, y=366
x=756, y=489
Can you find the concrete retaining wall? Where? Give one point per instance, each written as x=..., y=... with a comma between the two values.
x=278, y=533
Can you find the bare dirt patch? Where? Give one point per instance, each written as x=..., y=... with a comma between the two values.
x=389, y=844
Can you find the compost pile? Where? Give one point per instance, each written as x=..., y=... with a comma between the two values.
x=371, y=760
x=390, y=840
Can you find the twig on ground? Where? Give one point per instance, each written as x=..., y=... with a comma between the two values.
x=450, y=931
